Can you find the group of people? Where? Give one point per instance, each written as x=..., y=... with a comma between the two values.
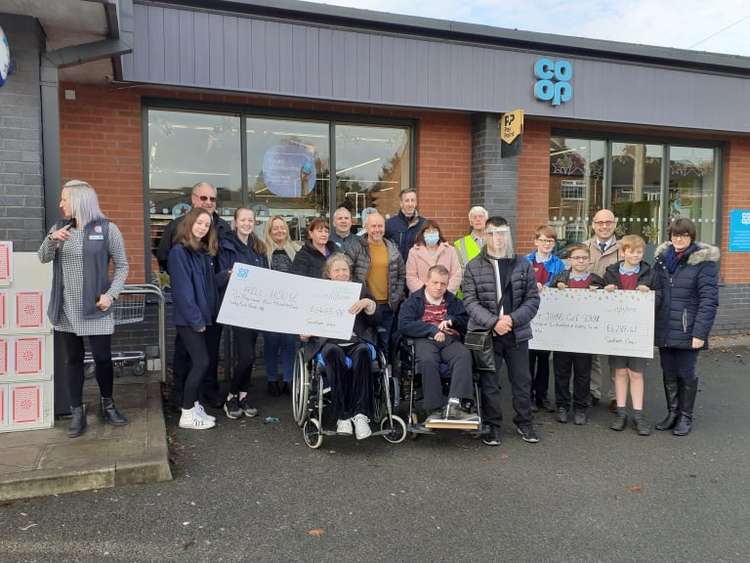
x=415, y=284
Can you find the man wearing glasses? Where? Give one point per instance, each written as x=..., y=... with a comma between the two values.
x=604, y=252
x=204, y=196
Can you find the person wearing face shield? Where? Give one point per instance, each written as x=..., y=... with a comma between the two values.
x=501, y=296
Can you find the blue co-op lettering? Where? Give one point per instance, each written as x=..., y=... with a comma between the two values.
x=553, y=84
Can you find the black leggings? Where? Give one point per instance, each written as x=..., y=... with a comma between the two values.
x=351, y=387
x=101, y=349
x=245, y=339
x=197, y=348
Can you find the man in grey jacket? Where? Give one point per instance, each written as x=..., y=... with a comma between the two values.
x=501, y=297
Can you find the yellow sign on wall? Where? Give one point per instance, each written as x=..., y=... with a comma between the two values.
x=511, y=125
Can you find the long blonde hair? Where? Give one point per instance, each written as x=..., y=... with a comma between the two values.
x=288, y=245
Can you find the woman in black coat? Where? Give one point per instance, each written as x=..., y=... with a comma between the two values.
x=348, y=362
x=688, y=274
x=311, y=258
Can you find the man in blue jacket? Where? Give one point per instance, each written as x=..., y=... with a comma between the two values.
x=403, y=227
x=436, y=318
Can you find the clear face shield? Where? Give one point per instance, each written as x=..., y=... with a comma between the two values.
x=499, y=241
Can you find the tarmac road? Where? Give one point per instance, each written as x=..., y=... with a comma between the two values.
x=249, y=491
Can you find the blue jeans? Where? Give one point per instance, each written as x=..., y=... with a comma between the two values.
x=385, y=328
x=279, y=346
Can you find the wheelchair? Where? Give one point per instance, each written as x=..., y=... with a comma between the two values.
x=310, y=396
x=411, y=385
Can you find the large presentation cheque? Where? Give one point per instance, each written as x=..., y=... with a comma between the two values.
x=616, y=323
x=267, y=300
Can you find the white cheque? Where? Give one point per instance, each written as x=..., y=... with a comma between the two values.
x=268, y=300
x=616, y=323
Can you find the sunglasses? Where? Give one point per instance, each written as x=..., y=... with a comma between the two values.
x=206, y=198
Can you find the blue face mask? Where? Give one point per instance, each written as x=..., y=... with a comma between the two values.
x=431, y=239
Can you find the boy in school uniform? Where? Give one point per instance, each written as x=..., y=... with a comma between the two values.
x=632, y=273
x=575, y=364
x=546, y=266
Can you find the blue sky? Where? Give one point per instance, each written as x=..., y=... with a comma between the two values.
x=667, y=23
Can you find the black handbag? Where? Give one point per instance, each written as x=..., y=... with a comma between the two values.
x=480, y=344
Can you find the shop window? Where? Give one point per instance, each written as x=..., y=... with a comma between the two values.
x=372, y=167
x=692, y=188
x=288, y=170
x=576, y=185
x=185, y=148
x=636, y=189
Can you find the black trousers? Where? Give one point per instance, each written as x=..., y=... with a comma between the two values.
x=196, y=344
x=351, y=388
x=539, y=370
x=678, y=364
x=516, y=357
x=245, y=339
x=430, y=354
x=101, y=349
x=180, y=369
x=579, y=366
x=210, y=388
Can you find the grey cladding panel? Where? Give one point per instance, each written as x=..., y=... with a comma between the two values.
x=312, y=61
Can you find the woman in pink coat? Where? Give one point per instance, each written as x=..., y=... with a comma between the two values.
x=430, y=249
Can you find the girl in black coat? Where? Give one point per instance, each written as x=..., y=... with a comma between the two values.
x=688, y=273
x=241, y=245
x=348, y=363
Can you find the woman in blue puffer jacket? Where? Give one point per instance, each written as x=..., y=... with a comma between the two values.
x=687, y=273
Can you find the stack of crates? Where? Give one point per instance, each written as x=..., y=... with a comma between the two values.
x=26, y=342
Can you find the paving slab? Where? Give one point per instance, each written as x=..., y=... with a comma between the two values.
x=43, y=462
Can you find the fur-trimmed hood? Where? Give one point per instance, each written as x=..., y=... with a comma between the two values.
x=705, y=253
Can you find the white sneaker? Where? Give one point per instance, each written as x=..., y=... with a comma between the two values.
x=344, y=427
x=361, y=426
x=203, y=412
x=193, y=420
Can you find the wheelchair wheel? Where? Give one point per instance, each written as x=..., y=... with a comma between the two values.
x=414, y=421
x=312, y=434
x=300, y=388
x=398, y=433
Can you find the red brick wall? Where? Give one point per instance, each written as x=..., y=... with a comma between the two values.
x=734, y=267
x=533, y=183
x=101, y=141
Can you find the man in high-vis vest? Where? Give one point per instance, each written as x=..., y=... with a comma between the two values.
x=469, y=246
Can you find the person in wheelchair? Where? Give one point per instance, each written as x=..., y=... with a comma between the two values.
x=348, y=363
x=436, y=319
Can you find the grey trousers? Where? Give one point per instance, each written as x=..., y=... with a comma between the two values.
x=600, y=364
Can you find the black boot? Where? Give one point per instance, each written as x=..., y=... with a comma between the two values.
x=621, y=419
x=642, y=427
x=77, y=421
x=108, y=412
x=688, y=391
x=671, y=391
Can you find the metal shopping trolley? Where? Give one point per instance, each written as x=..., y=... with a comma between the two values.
x=130, y=308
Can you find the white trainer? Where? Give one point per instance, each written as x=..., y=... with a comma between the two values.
x=193, y=420
x=344, y=427
x=361, y=426
x=203, y=412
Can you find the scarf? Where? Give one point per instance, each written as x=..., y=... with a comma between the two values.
x=672, y=258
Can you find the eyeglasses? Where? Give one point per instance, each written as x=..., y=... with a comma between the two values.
x=579, y=258
x=206, y=198
x=547, y=240
x=604, y=223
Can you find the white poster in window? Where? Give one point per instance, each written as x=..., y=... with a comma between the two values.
x=274, y=301
x=616, y=323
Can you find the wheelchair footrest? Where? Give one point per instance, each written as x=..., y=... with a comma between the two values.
x=448, y=424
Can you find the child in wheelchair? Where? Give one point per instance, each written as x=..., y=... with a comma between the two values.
x=435, y=319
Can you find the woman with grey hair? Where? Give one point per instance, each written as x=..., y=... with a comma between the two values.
x=81, y=247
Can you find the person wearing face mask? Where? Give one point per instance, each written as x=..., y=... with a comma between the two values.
x=403, y=227
x=501, y=297
x=429, y=250
x=688, y=274
x=241, y=245
x=192, y=271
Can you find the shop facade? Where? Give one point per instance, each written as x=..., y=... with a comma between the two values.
x=295, y=109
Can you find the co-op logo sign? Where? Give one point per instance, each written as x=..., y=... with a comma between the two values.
x=553, y=84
